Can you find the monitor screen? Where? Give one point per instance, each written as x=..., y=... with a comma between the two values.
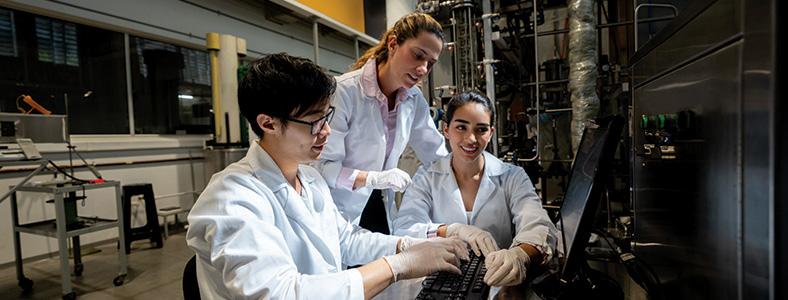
x=594, y=155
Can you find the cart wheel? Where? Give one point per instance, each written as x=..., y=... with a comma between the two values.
x=78, y=269
x=119, y=280
x=26, y=284
x=70, y=296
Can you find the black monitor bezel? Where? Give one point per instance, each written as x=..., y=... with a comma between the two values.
x=610, y=129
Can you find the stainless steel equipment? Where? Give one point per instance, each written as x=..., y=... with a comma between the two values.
x=39, y=128
x=218, y=159
x=705, y=139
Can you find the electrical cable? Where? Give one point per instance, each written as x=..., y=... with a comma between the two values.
x=648, y=280
x=17, y=104
x=66, y=174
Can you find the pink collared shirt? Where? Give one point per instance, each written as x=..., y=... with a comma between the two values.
x=371, y=88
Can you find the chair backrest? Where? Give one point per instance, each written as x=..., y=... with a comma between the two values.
x=191, y=290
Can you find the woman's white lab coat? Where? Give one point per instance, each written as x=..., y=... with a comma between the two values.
x=358, y=141
x=506, y=205
x=256, y=238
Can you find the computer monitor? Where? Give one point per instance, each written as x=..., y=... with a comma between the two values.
x=586, y=184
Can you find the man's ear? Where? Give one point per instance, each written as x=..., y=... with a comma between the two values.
x=267, y=124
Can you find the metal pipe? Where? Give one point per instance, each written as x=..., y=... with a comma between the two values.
x=37, y=170
x=212, y=43
x=568, y=161
x=637, y=8
x=315, y=35
x=582, y=66
x=68, y=133
x=547, y=82
x=489, y=75
x=464, y=45
x=649, y=20
x=536, y=84
x=602, y=26
x=176, y=194
x=191, y=169
x=129, y=96
x=355, y=46
x=139, y=162
x=547, y=111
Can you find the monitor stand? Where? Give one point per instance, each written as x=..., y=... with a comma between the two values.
x=588, y=284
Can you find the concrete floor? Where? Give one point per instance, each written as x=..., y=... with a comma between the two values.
x=152, y=273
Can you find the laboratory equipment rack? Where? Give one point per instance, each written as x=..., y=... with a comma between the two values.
x=57, y=229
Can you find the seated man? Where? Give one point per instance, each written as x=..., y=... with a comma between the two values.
x=267, y=227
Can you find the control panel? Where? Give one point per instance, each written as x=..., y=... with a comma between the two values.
x=658, y=135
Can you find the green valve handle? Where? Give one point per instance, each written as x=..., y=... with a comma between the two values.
x=673, y=121
x=653, y=122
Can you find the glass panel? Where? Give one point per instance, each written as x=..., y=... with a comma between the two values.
x=172, y=88
x=7, y=33
x=55, y=60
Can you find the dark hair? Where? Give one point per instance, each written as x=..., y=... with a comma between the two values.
x=472, y=96
x=282, y=86
x=406, y=28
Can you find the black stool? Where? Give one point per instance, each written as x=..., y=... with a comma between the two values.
x=151, y=229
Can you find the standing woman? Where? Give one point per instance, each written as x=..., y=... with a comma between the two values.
x=379, y=111
x=473, y=195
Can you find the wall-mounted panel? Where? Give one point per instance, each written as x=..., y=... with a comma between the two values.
x=688, y=200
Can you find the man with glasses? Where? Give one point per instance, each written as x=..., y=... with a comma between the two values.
x=267, y=227
x=318, y=124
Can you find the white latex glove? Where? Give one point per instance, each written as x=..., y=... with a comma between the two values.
x=506, y=267
x=428, y=257
x=406, y=242
x=395, y=179
x=479, y=240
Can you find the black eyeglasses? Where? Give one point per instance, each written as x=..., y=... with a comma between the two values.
x=317, y=126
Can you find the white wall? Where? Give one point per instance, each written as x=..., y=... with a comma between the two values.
x=138, y=166
x=180, y=22
x=395, y=9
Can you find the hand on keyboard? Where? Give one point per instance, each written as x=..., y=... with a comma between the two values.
x=481, y=241
x=428, y=257
x=467, y=286
x=406, y=242
x=506, y=267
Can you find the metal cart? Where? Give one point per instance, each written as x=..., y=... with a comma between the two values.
x=58, y=228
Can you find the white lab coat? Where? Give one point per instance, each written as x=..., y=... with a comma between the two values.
x=256, y=238
x=506, y=205
x=358, y=141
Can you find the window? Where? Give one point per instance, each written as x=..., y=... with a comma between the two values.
x=7, y=33
x=58, y=61
x=57, y=41
x=172, y=88
x=81, y=70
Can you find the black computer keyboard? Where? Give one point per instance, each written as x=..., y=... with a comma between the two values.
x=448, y=286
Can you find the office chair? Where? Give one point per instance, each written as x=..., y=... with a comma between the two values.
x=191, y=290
